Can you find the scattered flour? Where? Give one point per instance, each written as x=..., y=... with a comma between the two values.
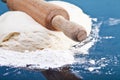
x=36, y=59
x=19, y=32
x=93, y=68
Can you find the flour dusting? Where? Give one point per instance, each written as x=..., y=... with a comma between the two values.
x=25, y=43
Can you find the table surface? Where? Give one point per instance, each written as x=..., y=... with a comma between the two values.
x=105, y=52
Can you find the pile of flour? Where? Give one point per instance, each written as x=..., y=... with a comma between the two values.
x=20, y=33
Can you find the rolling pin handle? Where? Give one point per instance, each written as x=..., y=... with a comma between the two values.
x=70, y=29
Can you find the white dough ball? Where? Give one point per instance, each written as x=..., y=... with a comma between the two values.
x=19, y=32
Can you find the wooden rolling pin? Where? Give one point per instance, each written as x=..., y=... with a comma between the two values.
x=50, y=16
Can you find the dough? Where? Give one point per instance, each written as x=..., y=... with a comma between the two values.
x=19, y=32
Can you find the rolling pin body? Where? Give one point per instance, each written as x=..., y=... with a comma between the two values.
x=50, y=16
x=40, y=10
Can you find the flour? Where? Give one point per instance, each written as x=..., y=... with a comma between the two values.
x=23, y=33
x=45, y=48
x=43, y=59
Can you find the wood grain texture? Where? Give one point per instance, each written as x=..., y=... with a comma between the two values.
x=39, y=10
x=70, y=29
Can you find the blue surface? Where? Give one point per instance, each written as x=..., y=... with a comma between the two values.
x=9, y=73
x=107, y=49
x=3, y=7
